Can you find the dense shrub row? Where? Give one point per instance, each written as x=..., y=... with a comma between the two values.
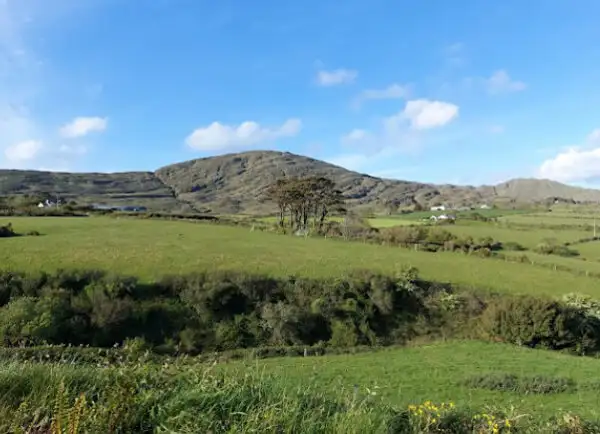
x=224, y=311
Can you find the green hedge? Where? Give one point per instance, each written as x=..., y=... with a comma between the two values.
x=227, y=311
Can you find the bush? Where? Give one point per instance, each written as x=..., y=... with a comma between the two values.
x=538, y=322
x=7, y=231
x=227, y=311
x=555, y=249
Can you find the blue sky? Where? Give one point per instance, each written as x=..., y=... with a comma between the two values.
x=468, y=91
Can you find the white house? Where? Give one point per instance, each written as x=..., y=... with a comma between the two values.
x=485, y=206
x=442, y=217
x=438, y=208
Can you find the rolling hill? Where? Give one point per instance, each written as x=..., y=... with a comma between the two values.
x=235, y=183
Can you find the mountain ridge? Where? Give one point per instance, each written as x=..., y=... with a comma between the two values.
x=235, y=182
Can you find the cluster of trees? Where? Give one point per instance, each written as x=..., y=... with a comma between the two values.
x=227, y=310
x=303, y=199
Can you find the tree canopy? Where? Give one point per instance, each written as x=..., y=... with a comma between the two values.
x=301, y=199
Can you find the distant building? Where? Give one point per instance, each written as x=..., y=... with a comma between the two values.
x=446, y=217
x=49, y=204
x=442, y=217
x=438, y=208
x=485, y=206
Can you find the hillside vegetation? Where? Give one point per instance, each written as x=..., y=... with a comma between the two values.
x=236, y=183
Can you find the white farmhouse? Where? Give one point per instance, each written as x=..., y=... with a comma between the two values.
x=438, y=208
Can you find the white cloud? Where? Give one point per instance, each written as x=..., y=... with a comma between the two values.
x=500, y=82
x=82, y=126
x=403, y=133
x=218, y=137
x=23, y=151
x=393, y=91
x=424, y=114
x=576, y=164
x=336, y=77
x=355, y=135
x=496, y=129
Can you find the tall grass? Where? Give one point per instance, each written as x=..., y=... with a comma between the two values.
x=167, y=399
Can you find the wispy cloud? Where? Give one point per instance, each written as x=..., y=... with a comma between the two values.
x=501, y=82
x=393, y=91
x=336, y=77
x=82, y=126
x=405, y=132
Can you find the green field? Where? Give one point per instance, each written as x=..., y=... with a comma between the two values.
x=438, y=372
x=476, y=376
x=590, y=251
x=152, y=248
x=554, y=218
x=577, y=264
x=528, y=238
x=359, y=393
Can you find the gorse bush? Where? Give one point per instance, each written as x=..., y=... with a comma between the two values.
x=540, y=323
x=208, y=311
x=227, y=311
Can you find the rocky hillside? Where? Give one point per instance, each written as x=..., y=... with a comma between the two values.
x=235, y=183
x=127, y=188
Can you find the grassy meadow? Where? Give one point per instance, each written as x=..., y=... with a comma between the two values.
x=349, y=393
x=443, y=372
x=526, y=237
x=151, y=248
x=590, y=251
x=370, y=392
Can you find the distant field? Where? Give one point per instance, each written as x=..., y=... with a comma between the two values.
x=438, y=372
x=589, y=251
x=152, y=248
x=581, y=219
x=576, y=263
x=528, y=238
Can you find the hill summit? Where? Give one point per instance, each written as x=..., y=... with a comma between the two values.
x=235, y=183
